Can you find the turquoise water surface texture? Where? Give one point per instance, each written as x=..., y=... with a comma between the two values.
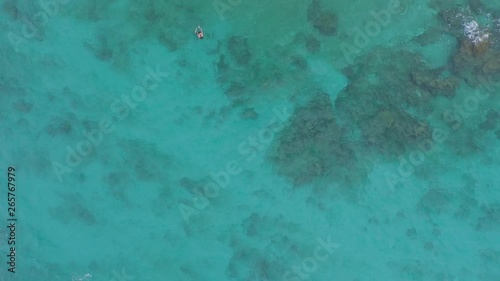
x=298, y=140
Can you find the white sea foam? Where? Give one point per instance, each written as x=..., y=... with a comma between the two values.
x=474, y=33
x=85, y=277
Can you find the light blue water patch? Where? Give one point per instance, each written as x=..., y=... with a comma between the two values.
x=330, y=79
x=437, y=53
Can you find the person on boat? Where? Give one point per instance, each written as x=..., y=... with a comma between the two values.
x=199, y=32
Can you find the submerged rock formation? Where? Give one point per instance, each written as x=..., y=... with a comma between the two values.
x=312, y=145
x=323, y=21
x=239, y=49
x=472, y=62
x=389, y=96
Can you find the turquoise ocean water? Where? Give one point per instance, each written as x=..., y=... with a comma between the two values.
x=299, y=140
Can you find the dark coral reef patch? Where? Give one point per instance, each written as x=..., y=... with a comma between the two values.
x=313, y=145
x=390, y=100
x=323, y=21
x=383, y=112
